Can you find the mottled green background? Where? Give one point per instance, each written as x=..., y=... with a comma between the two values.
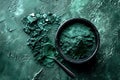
x=16, y=59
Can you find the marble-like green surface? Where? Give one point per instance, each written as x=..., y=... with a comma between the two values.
x=16, y=59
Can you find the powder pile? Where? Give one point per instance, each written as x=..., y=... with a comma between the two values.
x=77, y=41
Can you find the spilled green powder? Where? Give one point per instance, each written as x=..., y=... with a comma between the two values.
x=41, y=29
x=77, y=41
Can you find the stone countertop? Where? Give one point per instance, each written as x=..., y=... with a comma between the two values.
x=17, y=61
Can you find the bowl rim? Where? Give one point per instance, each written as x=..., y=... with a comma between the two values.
x=72, y=21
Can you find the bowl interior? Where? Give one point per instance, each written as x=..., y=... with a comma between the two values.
x=64, y=27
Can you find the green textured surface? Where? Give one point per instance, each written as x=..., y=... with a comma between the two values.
x=17, y=61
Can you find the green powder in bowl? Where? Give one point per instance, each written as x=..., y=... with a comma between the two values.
x=77, y=41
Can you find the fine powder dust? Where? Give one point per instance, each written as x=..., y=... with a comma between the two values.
x=77, y=41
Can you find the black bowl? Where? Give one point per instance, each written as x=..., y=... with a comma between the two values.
x=70, y=22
